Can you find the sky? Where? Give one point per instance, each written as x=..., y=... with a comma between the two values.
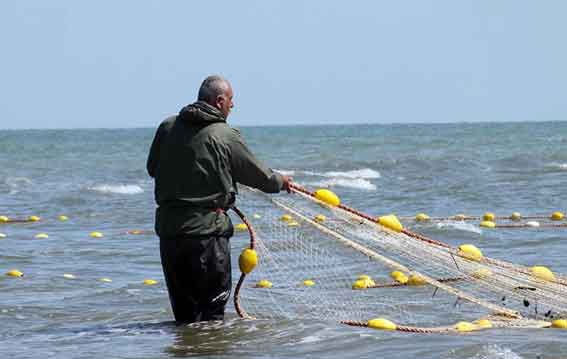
x=122, y=64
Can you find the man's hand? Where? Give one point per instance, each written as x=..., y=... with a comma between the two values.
x=287, y=183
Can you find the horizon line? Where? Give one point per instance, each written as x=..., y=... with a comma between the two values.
x=331, y=124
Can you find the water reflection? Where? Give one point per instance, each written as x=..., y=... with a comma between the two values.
x=205, y=338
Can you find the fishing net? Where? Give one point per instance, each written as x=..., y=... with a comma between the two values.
x=323, y=262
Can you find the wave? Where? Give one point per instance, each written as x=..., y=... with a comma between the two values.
x=365, y=173
x=557, y=166
x=117, y=189
x=12, y=185
x=460, y=226
x=358, y=183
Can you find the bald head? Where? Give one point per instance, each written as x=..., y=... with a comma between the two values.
x=217, y=92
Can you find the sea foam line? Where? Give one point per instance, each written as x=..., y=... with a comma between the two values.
x=117, y=189
x=366, y=173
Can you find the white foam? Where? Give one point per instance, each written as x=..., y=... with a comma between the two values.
x=495, y=352
x=557, y=165
x=118, y=189
x=18, y=181
x=358, y=183
x=365, y=173
x=459, y=225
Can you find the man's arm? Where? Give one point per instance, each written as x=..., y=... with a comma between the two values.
x=153, y=156
x=248, y=170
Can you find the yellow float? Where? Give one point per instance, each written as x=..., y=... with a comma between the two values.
x=382, y=324
x=422, y=217
x=471, y=252
x=328, y=197
x=308, y=283
x=241, y=227
x=391, y=222
x=264, y=283
x=489, y=216
x=399, y=277
x=14, y=273
x=487, y=224
x=248, y=260
x=544, y=273
x=557, y=216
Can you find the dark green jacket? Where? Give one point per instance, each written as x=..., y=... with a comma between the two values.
x=196, y=160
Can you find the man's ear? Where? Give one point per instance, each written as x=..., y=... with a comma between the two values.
x=218, y=102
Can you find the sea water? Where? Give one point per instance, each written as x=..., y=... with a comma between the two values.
x=97, y=179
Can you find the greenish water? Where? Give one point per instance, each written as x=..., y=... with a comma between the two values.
x=97, y=178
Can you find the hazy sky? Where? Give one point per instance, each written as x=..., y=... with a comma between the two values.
x=71, y=64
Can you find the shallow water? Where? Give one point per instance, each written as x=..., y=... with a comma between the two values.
x=97, y=179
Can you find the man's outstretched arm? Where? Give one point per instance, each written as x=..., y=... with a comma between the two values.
x=248, y=170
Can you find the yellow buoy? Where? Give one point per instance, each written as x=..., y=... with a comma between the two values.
x=63, y=218
x=286, y=218
x=459, y=217
x=470, y=252
x=69, y=276
x=482, y=273
x=557, y=216
x=105, y=280
x=14, y=273
x=2, y=235
x=41, y=236
x=150, y=281
x=516, y=216
x=422, y=217
x=256, y=216
x=247, y=260
x=328, y=197
x=465, y=327
x=483, y=323
x=416, y=279
x=391, y=222
x=33, y=218
x=320, y=218
x=96, y=235
x=308, y=283
x=488, y=216
x=559, y=323
x=292, y=224
x=360, y=284
x=4, y=219
x=241, y=227
x=399, y=277
x=544, y=273
x=487, y=224
x=363, y=282
x=382, y=324
x=264, y=283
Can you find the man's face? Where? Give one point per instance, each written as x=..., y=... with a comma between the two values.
x=224, y=102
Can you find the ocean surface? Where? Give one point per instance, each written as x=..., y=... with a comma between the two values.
x=97, y=179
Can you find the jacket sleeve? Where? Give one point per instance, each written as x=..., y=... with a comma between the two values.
x=153, y=156
x=248, y=170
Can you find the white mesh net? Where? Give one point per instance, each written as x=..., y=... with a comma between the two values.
x=334, y=252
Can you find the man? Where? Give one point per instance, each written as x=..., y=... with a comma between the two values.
x=196, y=159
